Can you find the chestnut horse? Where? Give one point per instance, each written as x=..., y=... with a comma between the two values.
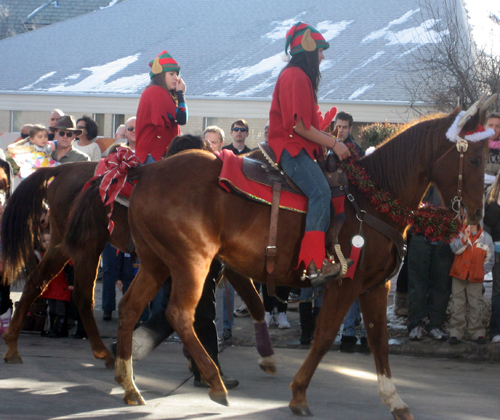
x=19, y=226
x=180, y=219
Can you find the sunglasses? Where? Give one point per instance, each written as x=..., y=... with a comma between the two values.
x=242, y=129
x=66, y=133
x=130, y=128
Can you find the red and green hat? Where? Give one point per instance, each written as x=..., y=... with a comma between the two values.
x=303, y=37
x=163, y=63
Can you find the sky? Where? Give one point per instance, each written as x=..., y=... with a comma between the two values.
x=484, y=31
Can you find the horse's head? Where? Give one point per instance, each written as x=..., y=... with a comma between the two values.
x=459, y=171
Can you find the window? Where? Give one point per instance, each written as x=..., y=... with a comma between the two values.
x=118, y=119
x=208, y=121
x=16, y=121
x=99, y=119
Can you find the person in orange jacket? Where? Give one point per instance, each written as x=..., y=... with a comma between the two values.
x=474, y=257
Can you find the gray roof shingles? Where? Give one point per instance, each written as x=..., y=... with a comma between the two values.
x=212, y=42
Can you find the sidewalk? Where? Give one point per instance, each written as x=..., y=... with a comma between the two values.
x=399, y=343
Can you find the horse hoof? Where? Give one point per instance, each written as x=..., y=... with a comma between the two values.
x=268, y=366
x=133, y=398
x=301, y=410
x=220, y=397
x=13, y=360
x=403, y=414
x=109, y=363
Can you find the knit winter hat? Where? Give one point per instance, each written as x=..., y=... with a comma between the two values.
x=163, y=63
x=303, y=37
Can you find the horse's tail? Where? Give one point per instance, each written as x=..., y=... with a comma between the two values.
x=135, y=173
x=87, y=221
x=21, y=221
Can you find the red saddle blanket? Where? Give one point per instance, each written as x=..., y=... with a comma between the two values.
x=232, y=179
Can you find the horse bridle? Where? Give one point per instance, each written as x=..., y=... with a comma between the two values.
x=456, y=202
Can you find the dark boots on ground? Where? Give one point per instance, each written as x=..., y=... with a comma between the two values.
x=58, y=327
x=308, y=317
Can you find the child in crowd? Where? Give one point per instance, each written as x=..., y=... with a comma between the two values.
x=474, y=257
x=34, y=152
x=58, y=295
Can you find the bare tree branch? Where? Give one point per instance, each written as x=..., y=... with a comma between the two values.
x=447, y=69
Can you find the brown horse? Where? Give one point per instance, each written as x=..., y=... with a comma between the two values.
x=181, y=219
x=19, y=227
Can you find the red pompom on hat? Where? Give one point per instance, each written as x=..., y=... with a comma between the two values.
x=163, y=63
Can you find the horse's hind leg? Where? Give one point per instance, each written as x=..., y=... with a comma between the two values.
x=246, y=289
x=187, y=287
x=83, y=295
x=142, y=290
x=52, y=263
x=336, y=303
x=374, y=309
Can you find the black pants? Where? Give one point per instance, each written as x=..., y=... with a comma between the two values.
x=5, y=301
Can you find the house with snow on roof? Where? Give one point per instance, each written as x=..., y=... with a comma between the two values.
x=230, y=57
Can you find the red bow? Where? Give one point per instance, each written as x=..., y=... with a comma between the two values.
x=114, y=169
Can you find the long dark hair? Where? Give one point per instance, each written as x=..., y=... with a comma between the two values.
x=159, y=80
x=308, y=61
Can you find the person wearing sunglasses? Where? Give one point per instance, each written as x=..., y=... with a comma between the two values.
x=85, y=142
x=65, y=132
x=239, y=133
x=162, y=109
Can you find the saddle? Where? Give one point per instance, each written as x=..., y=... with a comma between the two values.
x=267, y=172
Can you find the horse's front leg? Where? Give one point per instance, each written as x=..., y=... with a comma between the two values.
x=85, y=275
x=246, y=289
x=336, y=303
x=52, y=263
x=141, y=291
x=374, y=309
x=187, y=287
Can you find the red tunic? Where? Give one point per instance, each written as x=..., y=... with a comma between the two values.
x=156, y=124
x=293, y=100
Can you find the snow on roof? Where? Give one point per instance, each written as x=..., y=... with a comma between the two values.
x=225, y=49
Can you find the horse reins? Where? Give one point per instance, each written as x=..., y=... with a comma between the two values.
x=461, y=146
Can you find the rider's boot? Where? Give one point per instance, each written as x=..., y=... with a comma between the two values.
x=329, y=271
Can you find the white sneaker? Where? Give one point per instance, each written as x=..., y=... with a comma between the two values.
x=417, y=333
x=437, y=334
x=496, y=339
x=282, y=321
x=5, y=320
x=270, y=319
x=242, y=311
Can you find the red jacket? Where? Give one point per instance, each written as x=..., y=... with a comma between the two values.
x=473, y=257
x=156, y=124
x=293, y=100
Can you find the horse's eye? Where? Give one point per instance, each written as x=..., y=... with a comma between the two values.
x=475, y=161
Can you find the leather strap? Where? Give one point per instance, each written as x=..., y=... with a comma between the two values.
x=271, y=250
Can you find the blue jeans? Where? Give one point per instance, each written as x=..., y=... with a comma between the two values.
x=495, y=298
x=228, y=304
x=110, y=273
x=429, y=283
x=352, y=315
x=149, y=159
x=308, y=176
x=307, y=293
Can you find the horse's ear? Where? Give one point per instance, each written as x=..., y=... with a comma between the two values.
x=472, y=123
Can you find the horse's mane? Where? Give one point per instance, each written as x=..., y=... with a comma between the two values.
x=409, y=141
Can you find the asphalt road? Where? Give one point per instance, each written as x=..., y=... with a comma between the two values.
x=59, y=379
